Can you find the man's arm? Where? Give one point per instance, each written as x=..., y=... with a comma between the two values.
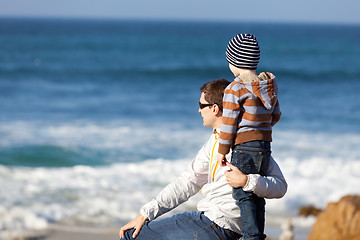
x=175, y=193
x=273, y=185
x=180, y=190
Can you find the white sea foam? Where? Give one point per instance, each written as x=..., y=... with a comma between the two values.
x=108, y=137
x=319, y=168
x=105, y=195
x=32, y=197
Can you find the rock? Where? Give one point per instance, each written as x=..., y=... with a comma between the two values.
x=309, y=211
x=339, y=221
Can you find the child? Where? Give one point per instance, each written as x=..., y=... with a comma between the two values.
x=251, y=108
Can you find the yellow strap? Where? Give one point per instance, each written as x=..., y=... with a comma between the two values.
x=212, y=156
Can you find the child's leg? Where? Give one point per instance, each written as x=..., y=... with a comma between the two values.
x=260, y=213
x=251, y=157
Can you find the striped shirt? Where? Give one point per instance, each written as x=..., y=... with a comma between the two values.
x=250, y=111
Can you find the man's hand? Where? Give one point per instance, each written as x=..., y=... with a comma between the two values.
x=137, y=224
x=221, y=159
x=235, y=177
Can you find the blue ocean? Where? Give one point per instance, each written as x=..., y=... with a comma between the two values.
x=97, y=116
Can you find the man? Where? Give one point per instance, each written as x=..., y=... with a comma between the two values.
x=217, y=215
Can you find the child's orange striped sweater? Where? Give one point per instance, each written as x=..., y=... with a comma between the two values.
x=250, y=111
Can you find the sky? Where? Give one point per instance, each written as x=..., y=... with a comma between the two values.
x=309, y=11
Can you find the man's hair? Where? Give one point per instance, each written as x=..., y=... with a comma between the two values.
x=214, y=91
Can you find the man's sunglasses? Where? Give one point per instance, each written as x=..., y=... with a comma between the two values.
x=204, y=105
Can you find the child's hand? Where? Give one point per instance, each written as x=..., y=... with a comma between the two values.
x=221, y=159
x=234, y=177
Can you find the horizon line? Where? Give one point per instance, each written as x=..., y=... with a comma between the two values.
x=158, y=19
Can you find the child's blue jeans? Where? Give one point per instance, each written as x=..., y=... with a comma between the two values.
x=251, y=158
x=184, y=226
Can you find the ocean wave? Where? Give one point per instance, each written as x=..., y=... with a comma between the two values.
x=89, y=143
x=319, y=167
x=112, y=195
x=37, y=143
x=102, y=195
x=118, y=73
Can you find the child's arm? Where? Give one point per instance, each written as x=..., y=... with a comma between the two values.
x=231, y=111
x=276, y=114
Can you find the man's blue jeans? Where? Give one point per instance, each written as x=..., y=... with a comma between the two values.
x=251, y=157
x=184, y=226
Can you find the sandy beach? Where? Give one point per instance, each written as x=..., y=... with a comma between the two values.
x=69, y=233
x=61, y=232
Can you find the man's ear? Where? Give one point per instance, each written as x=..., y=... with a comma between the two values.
x=216, y=110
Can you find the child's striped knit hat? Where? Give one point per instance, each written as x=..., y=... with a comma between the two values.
x=243, y=51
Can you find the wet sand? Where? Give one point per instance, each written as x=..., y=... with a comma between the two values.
x=61, y=232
